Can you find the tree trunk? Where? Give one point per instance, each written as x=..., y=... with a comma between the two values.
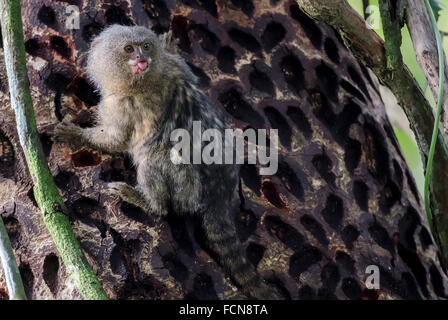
x=342, y=199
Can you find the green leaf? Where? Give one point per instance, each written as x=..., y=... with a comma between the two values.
x=412, y=156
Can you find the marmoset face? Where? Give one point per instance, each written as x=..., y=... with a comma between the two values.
x=121, y=56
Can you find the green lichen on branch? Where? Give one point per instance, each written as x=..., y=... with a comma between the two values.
x=45, y=191
x=390, y=18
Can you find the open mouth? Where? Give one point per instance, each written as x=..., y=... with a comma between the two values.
x=139, y=67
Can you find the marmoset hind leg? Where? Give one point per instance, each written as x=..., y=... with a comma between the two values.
x=129, y=194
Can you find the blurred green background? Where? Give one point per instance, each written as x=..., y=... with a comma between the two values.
x=404, y=136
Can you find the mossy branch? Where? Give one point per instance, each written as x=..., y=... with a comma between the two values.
x=45, y=191
x=10, y=269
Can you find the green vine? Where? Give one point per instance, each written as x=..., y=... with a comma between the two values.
x=438, y=112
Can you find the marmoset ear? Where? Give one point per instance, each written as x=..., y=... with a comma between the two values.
x=168, y=42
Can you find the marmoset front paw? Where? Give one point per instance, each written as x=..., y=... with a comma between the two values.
x=68, y=132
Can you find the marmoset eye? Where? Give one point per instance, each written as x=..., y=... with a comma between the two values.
x=129, y=49
x=146, y=46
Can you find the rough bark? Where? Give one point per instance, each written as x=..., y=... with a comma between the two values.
x=368, y=47
x=45, y=191
x=343, y=197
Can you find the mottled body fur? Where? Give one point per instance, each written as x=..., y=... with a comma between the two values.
x=137, y=114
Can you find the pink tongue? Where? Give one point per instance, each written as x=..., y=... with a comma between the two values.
x=142, y=65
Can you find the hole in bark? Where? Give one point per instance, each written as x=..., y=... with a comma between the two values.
x=300, y=120
x=249, y=174
x=284, y=232
x=351, y=289
x=345, y=261
x=389, y=196
x=85, y=92
x=349, y=235
x=328, y=80
x=425, y=238
x=247, y=6
x=7, y=156
x=207, y=5
x=303, y=259
x=361, y=194
x=47, y=16
x=13, y=228
x=322, y=109
x=175, y=267
x=59, y=45
x=226, y=59
x=118, y=169
x=90, y=31
x=254, y=253
x=47, y=143
x=180, y=233
x=377, y=154
x=292, y=70
x=206, y=39
x=290, y=180
x=159, y=13
x=279, y=122
x=50, y=272
x=180, y=26
x=27, y=278
x=437, y=281
x=84, y=158
x=315, y=228
x=370, y=294
x=234, y=104
x=32, y=46
x=331, y=50
x=261, y=81
x=3, y=294
x=136, y=214
x=116, y=15
x=333, y=211
x=57, y=81
x=347, y=86
x=204, y=80
x=246, y=224
x=330, y=276
x=67, y=181
x=307, y=293
x=352, y=154
x=323, y=165
x=272, y=35
x=203, y=287
x=117, y=262
x=405, y=287
x=413, y=261
x=356, y=78
x=30, y=195
x=270, y=192
x=326, y=294
x=244, y=39
x=85, y=119
x=407, y=227
x=88, y=211
x=308, y=25
x=380, y=235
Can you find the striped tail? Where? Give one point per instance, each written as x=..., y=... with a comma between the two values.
x=222, y=240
